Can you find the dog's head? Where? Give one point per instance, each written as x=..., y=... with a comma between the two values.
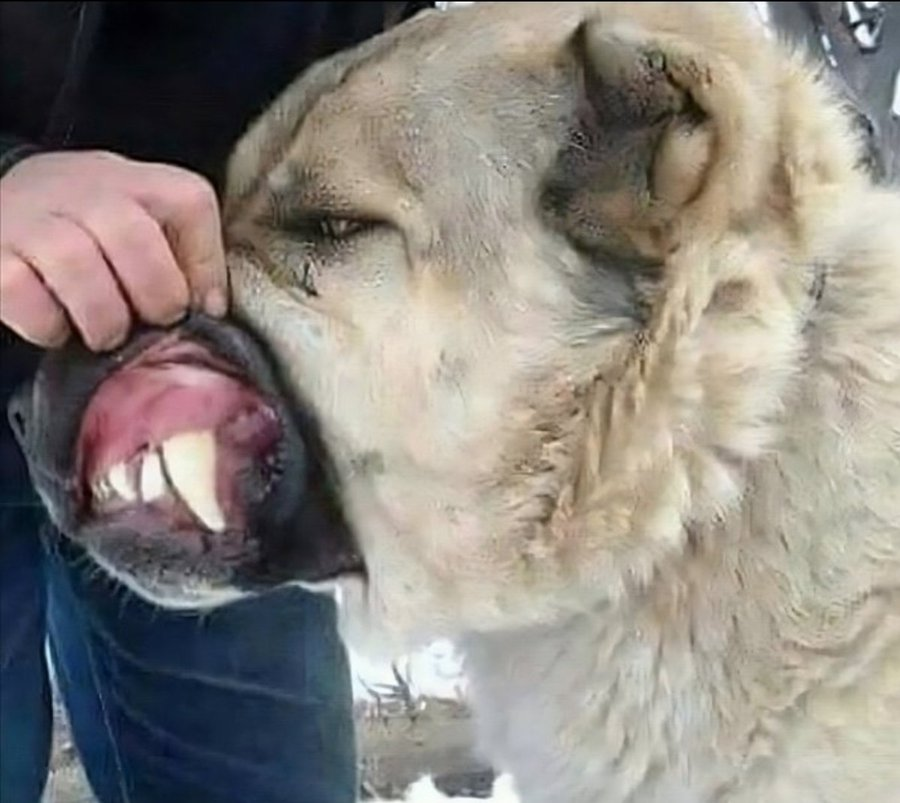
x=537, y=273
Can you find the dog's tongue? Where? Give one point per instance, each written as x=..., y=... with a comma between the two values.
x=169, y=434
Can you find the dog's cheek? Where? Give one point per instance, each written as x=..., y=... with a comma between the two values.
x=396, y=608
x=302, y=339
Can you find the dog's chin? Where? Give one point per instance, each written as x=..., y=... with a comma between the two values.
x=184, y=593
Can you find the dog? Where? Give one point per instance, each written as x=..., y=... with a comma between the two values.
x=594, y=317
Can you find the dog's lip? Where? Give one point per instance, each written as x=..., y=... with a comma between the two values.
x=215, y=359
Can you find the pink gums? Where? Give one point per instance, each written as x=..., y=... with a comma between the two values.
x=176, y=386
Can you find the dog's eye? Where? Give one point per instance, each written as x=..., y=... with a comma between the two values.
x=323, y=227
x=339, y=228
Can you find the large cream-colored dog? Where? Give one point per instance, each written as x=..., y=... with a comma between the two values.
x=601, y=323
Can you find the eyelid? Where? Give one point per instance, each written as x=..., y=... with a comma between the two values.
x=320, y=226
x=340, y=228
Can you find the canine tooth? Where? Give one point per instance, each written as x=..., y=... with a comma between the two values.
x=153, y=483
x=118, y=479
x=190, y=460
x=105, y=489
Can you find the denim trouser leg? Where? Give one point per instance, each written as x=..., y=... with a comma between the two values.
x=246, y=703
x=25, y=714
x=250, y=703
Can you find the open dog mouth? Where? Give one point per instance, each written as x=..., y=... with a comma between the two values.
x=174, y=438
x=182, y=457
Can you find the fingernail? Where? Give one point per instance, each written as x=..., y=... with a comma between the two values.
x=58, y=339
x=173, y=317
x=111, y=343
x=216, y=302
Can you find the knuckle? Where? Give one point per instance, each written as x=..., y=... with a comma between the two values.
x=107, y=158
x=132, y=230
x=73, y=250
x=197, y=197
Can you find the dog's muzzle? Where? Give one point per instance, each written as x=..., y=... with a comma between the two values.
x=182, y=462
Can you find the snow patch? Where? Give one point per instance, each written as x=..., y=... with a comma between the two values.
x=424, y=791
x=435, y=671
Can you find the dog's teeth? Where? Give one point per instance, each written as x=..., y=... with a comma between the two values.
x=120, y=482
x=153, y=483
x=190, y=460
x=106, y=489
x=100, y=489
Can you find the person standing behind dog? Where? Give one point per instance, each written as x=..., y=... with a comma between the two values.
x=117, y=120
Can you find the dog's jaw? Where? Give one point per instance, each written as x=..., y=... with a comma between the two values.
x=179, y=595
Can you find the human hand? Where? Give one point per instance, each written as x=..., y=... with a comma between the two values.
x=91, y=240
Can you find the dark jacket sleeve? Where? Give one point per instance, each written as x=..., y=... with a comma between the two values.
x=36, y=53
x=13, y=150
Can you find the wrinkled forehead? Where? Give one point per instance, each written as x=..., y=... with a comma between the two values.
x=397, y=97
x=421, y=102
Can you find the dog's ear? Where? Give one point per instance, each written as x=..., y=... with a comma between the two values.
x=660, y=137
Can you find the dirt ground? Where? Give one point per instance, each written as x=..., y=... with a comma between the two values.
x=397, y=747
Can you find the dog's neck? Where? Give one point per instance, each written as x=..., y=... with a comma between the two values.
x=674, y=692
x=676, y=685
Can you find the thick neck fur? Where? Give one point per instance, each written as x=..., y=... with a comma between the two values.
x=745, y=641
x=687, y=684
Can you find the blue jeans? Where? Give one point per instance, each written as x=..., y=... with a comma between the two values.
x=250, y=703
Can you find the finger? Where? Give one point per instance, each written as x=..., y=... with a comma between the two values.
x=73, y=267
x=188, y=210
x=139, y=254
x=27, y=306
